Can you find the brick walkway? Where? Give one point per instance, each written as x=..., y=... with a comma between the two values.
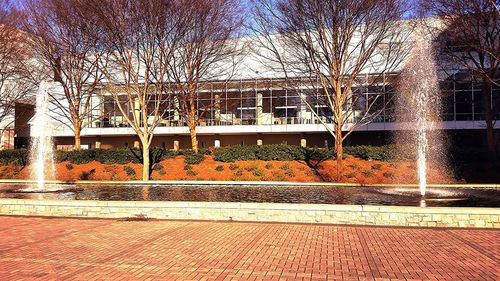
x=72, y=249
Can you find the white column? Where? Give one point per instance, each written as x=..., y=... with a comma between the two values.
x=303, y=142
x=258, y=113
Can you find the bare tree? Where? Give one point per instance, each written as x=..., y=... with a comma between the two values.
x=61, y=42
x=139, y=36
x=469, y=37
x=333, y=44
x=15, y=72
x=206, y=51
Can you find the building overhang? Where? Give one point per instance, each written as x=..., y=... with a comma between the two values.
x=272, y=129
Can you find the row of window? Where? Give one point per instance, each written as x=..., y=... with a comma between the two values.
x=216, y=107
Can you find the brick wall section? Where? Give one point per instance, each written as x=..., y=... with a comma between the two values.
x=260, y=212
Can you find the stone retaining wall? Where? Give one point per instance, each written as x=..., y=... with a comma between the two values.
x=259, y=212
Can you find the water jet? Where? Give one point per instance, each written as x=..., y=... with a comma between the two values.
x=42, y=150
x=419, y=104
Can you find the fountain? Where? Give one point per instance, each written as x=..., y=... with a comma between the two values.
x=42, y=151
x=419, y=104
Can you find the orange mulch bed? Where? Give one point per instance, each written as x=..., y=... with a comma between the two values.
x=354, y=171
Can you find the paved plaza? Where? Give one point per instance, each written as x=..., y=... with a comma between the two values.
x=84, y=249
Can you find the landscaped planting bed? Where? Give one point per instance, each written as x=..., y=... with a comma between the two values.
x=362, y=164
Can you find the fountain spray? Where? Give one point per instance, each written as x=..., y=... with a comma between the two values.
x=419, y=102
x=42, y=155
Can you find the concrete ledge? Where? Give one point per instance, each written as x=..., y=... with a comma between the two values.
x=259, y=212
x=276, y=183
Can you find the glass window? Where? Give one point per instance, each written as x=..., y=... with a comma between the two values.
x=448, y=106
x=463, y=104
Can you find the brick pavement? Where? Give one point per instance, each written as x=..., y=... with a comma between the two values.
x=84, y=249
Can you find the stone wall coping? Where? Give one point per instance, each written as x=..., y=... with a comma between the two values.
x=255, y=206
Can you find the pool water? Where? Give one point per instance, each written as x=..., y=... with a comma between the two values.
x=395, y=196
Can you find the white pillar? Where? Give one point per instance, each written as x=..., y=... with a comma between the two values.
x=259, y=142
x=217, y=143
x=303, y=142
x=137, y=144
x=258, y=113
x=176, y=145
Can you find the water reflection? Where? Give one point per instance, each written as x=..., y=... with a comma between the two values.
x=272, y=194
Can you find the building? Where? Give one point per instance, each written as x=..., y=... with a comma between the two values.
x=256, y=106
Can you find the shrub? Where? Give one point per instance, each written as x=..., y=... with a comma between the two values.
x=112, y=156
x=233, y=167
x=158, y=167
x=285, y=167
x=69, y=166
x=279, y=152
x=160, y=154
x=191, y=173
x=162, y=172
x=258, y=173
x=188, y=167
x=14, y=156
x=279, y=177
x=289, y=173
x=319, y=153
x=238, y=173
x=105, y=156
x=129, y=170
x=269, y=166
x=186, y=152
x=367, y=174
x=389, y=175
x=377, y=166
x=87, y=175
x=219, y=168
x=193, y=158
x=389, y=152
x=367, y=152
x=251, y=168
x=234, y=153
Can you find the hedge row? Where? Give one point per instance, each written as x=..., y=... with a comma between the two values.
x=270, y=152
x=14, y=156
x=105, y=156
x=380, y=153
x=289, y=152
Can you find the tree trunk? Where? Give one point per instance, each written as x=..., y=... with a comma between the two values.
x=194, y=139
x=339, y=149
x=145, y=161
x=78, y=131
x=192, y=119
x=488, y=115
